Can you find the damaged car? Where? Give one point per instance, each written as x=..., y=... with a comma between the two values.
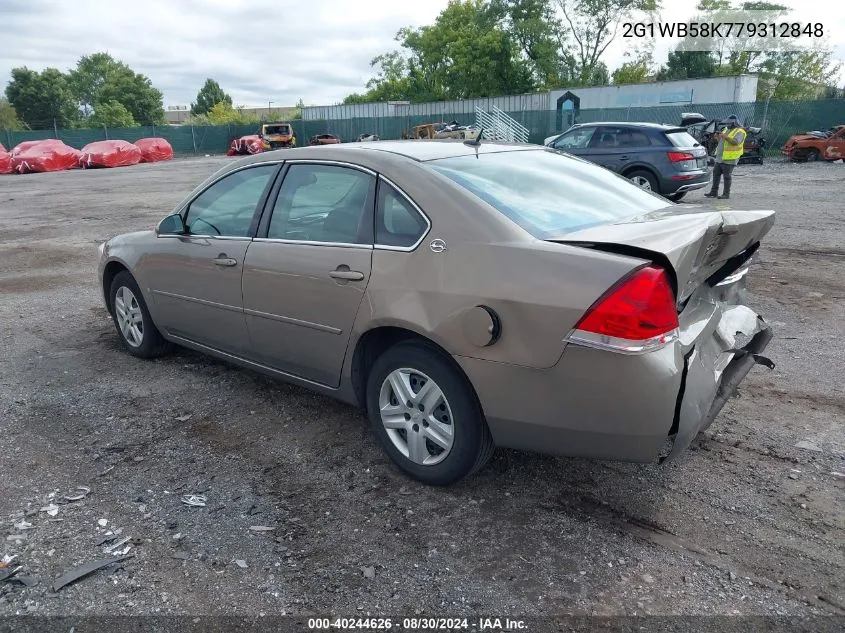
x=704, y=131
x=465, y=295
x=806, y=147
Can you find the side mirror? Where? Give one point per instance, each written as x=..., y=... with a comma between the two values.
x=172, y=225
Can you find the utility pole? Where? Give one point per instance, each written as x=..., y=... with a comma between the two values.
x=269, y=111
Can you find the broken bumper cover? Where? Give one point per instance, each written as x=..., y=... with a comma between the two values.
x=705, y=391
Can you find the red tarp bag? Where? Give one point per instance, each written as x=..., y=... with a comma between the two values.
x=251, y=144
x=110, y=154
x=154, y=149
x=42, y=156
x=5, y=161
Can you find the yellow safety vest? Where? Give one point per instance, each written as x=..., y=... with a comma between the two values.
x=732, y=152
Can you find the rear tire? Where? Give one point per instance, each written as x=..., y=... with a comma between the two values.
x=813, y=155
x=135, y=328
x=644, y=179
x=445, y=440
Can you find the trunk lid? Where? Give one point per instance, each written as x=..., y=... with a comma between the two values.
x=697, y=243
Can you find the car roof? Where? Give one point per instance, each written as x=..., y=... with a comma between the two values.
x=417, y=150
x=652, y=126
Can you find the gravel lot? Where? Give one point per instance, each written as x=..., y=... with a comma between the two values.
x=748, y=522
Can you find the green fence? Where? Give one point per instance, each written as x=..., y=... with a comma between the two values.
x=778, y=119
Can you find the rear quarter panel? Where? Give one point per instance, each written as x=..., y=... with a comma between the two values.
x=538, y=289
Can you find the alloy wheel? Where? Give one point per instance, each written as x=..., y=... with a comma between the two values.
x=129, y=317
x=416, y=416
x=641, y=182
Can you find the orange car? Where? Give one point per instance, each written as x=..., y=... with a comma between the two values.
x=811, y=146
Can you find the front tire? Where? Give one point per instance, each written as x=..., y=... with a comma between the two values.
x=426, y=416
x=138, y=334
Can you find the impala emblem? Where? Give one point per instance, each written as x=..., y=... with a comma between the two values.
x=437, y=246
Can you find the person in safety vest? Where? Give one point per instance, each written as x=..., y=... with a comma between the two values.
x=727, y=154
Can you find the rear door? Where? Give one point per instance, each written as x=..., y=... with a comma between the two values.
x=306, y=272
x=619, y=147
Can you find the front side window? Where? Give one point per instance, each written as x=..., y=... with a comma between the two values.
x=576, y=139
x=324, y=203
x=398, y=223
x=227, y=207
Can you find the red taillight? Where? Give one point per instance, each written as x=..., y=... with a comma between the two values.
x=677, y=157
x=642, y=307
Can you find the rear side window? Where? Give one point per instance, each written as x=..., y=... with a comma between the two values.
x=548, y=193
x=398, y=223
x=681, y=139
x=620, y=137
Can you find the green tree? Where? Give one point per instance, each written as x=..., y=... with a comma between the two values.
x=208, y=96
x=90, y=76
x=687, y=65
x=593, y=25
x=465, y=53
x=537, y=32
x=111, y=114
x=9, y=117
x=787, y=76
x=222, y=113
x=137, y=94
x=99, y=78
x=43, y=99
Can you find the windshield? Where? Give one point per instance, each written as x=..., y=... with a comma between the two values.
x=276, y=129
x=547, y=193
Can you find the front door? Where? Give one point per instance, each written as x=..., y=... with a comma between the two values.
x=195, y=279
x=306, y=272
x=575, y=141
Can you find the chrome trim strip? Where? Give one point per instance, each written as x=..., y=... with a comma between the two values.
x=229, y=238
x=277, y=240
x=413, y=247
x=189, y=343
x=621, y=345
x=691, y=187
x=205, y=302
x=337, y=163
x=292, y=321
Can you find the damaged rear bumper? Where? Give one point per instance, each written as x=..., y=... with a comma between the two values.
x=712, y=373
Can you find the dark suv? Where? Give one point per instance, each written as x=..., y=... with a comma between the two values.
x=662, y=158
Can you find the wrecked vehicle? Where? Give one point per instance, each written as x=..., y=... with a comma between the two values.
x=429, y=131
x=277, y=135
x=813, y=146
x=600, y=320
x=324, y=139
x=364, y=138
x=704, y=131
x=249, y=144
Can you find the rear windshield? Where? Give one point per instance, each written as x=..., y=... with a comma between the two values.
x=681, y=139
x=547, y=193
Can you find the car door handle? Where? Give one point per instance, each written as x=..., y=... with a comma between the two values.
x=225, y=261
x=624, y=157
x=347, y=275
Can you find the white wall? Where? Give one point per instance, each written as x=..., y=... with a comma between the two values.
x=691, y=91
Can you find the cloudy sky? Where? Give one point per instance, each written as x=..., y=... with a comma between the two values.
x=259, y=50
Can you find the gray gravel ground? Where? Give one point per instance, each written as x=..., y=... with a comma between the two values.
x=745, y=523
